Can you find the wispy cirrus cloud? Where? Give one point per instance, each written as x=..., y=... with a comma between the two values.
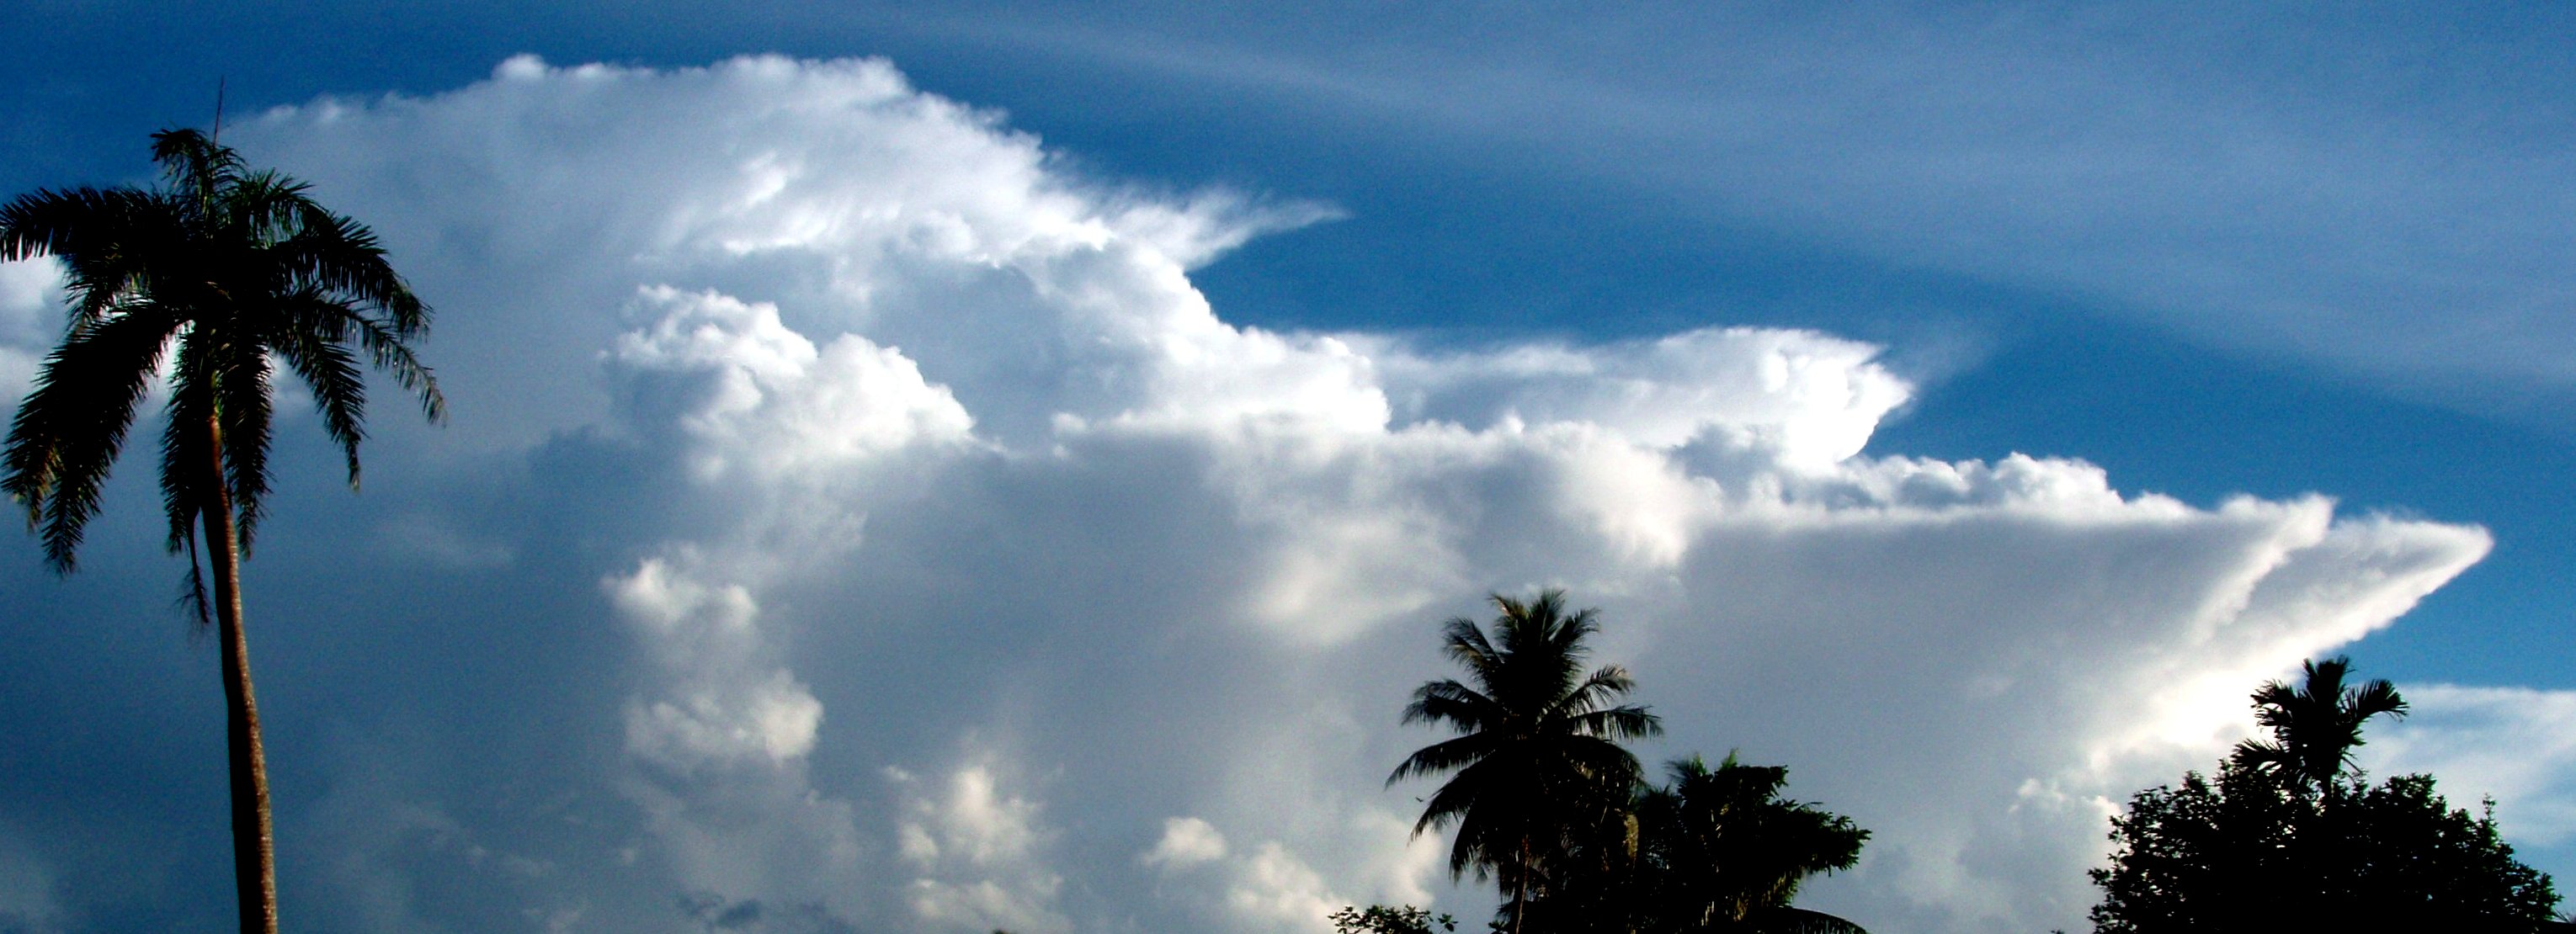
x=2359, y=192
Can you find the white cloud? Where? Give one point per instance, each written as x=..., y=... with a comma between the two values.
x=744, y=388
x=719, y=737
x=1272, y=888
x=31, y=304
x=1186, y=842
x=2517, y=745
x=1805, y=399
x=1275, y=889
x=856, y=427
x=30, y=297
x=722, y=706
x=975, y=853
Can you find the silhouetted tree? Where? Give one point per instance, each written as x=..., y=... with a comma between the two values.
x=1537, y=756
x=240, y=272
x=2316, y=726
x=2285, y=839
x=1733, y=853
x=1381, y=919
x=1717, y=850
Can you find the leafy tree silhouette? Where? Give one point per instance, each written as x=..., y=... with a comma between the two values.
x=2285, y=838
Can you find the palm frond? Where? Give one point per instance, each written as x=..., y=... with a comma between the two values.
x=2374, y=698
x=1447, y=701
x=193, y=592
x=1597, y=689
x=2316, y=725
x=196, y=167
x=1444, y=756
x=47, y=222
x=328, y=369
x=1456, y=800
x=186, y=455
x=1568, y=633
x=1619, y=723
x=108, y=241
x=243, y=410
x=394, y=356
x=67, y=433
x=343, y=257
x=268, y=208
x=1465, y=643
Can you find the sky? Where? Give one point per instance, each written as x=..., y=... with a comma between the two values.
x=923, y=468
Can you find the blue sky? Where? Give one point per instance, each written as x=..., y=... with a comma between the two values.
x=2273, y=252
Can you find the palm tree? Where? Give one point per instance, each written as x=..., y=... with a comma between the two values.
x=2315, y=727
x=1730, y=853
x=1716, y=850
x=240, y=272
x=1538, y=744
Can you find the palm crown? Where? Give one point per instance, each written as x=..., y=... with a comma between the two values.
x=241, y=271
x=1538, y=737
x=2315, y=726
x=1735, y=852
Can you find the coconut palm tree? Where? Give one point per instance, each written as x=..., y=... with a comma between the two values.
x=2316, y=726
x=1538, y=745
x=1730, y=853
x=223, y=274
x=1716, y=851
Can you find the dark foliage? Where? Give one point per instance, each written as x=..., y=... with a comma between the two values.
x=1381, y=919
x=1545, y=799
x=1717, y=850
x=2284, y=839
x=2316, y=726
x=2255, y=852
x=1537, y=752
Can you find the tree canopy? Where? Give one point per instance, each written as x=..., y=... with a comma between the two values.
x=1546, y=799
x=2285, y=837
x=1538, y=740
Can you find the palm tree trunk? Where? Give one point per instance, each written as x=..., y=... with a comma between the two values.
x=1520, y=887
x=254, y=856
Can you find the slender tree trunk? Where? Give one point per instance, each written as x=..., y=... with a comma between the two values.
x=1520, y=887
x=254, y=857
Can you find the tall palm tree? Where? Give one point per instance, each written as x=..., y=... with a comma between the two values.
x=240, y=272
x=2316, y=726
x=1538, y=745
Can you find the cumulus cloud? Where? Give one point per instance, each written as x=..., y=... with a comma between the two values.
x=974, y=850
x=722, y=706
x=1276, y=889
x=754, y=397
x=1187, y=841
x=851, y=432
x=1807, y=400
x=719, y=736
